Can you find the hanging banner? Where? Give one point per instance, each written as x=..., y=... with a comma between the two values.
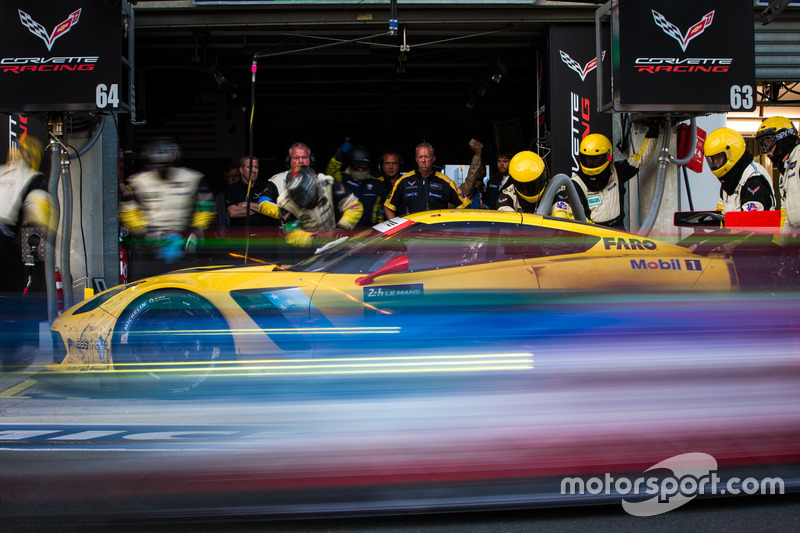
x=63, y=55
x=573, y=94
x=684, y=55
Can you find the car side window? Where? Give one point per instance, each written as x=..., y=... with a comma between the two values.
x=527, y=242
x=447, y=247
x=457, y=244
x=430, y=247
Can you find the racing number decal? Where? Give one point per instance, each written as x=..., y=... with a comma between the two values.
x=105, y=96
x=742, y=97
x=394, y=225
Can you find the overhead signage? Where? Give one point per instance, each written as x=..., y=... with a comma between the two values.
x=62, y=55
x=684, y=55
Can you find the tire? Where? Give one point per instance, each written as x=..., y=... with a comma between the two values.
x=168, y=341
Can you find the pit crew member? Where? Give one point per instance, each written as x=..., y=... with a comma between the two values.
x=744, y=184
x=166, y=208
x=778, y=138
x=600, y=183
x=315, y=208
x=528, y=178
x=358, y=179
x=424, y=188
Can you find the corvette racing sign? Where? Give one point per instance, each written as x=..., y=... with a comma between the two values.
x=684, y=55
x=62, y=55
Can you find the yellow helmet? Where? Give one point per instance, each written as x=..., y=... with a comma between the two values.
x=595, y=154
x=27, y=150
x=527, y=170
x=776, y=136
x=723, y=149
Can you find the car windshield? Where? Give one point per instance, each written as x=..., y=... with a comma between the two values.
x=330, y=257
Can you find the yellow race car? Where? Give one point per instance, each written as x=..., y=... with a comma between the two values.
x=403, y=296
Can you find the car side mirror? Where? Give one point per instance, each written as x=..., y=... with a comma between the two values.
x=398, y=264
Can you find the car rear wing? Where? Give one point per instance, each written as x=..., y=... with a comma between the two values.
x=765, y=221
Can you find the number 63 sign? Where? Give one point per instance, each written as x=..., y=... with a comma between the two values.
x=684, y=55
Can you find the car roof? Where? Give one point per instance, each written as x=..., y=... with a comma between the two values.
x=511, y=217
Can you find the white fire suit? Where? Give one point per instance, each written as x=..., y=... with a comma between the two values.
x=334, y=208
x=733, y=201
x=23, y=197
x=173, y=204
x=279, y=180
x=603, y=203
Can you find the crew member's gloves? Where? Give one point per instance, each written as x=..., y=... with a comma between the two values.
x=171, y=248
x=344, y=149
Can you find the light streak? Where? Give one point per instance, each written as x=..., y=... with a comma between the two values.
x=335, y=366
x=356, y=300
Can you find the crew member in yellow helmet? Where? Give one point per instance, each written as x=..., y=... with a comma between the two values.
x=600, y=183
x=744, y=184
x=527, y=183
x=777, y=138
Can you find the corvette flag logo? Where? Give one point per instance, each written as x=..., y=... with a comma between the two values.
x=574, y=65
x=673, y=31
x=39, y=30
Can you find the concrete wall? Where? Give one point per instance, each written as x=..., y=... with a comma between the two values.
x=93, y=245
x=704, y=187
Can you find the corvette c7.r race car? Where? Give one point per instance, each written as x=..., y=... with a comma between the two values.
x=419, y=284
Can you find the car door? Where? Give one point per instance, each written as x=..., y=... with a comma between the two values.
x=277, y=317
x=558, y=257
x=631, y=262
